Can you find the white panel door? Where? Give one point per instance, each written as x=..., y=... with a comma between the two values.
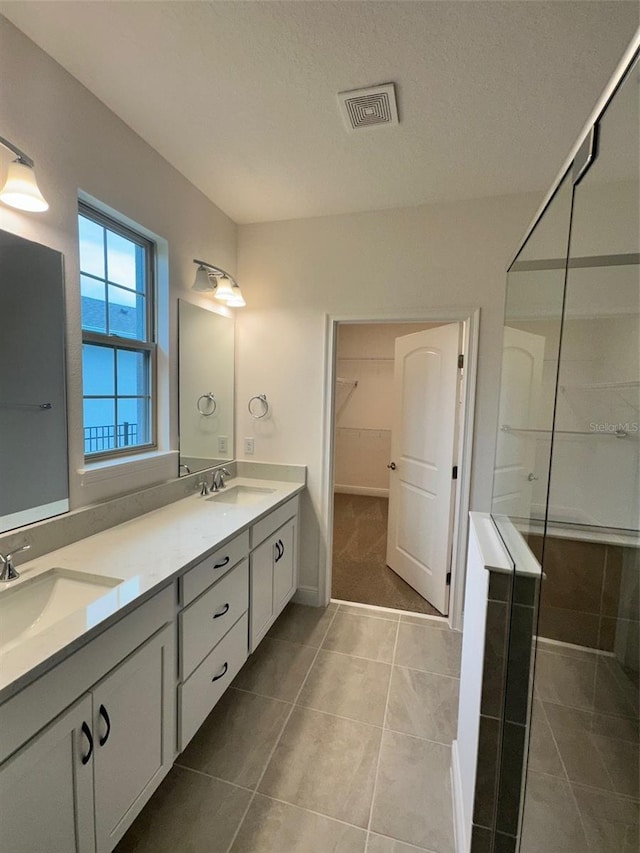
x=425, y=404
x=134, y=733
x=521, y=385
x=46, y=789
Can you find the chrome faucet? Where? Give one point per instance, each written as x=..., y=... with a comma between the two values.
x=8, y=571
x=217, y=481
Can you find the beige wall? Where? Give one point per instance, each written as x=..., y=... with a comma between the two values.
x=394, y=263
x=79, y=144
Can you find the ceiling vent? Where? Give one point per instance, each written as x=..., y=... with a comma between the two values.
x=371, y=107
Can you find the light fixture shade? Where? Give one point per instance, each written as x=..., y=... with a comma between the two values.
x=224, y=290
x=203, y=283
x=21, y=190
x=236, y=300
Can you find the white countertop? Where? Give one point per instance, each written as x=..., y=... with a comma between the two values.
x=146, y=553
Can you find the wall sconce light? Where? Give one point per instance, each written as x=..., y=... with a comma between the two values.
x=20, y=189
x=210, y=279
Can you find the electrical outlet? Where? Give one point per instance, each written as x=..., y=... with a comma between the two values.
x=223, y=444
x=249, y=446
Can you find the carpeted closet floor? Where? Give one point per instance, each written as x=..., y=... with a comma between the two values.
x=360, y=572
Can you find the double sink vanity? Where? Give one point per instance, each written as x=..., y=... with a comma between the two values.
x=114, y=649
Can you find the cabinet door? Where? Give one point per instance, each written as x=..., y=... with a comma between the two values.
x=285, y=562
x=134, y=732
x=261, y=590
x=46, y=790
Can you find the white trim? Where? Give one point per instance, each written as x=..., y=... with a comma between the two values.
x=470, y=318
x=361, y=490
x=307, y=595
x=460, y=840
x=379, y=609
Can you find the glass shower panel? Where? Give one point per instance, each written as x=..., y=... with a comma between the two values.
x=582, y=778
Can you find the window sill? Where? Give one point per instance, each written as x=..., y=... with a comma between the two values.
x=108, y=477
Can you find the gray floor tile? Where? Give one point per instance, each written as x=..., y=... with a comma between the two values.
x=551, y=823
x=565, y=681
x=543, y=753
x=622, y=762
x=413, y=793
x=423, y=704
x=614, y=693
x=189, y=812
x=380, y=844
x=236, y=739
x=299, y=623
x=277, y=668
x=582, y=760
x=358, y=635
x=610, y=821
x=428, y=649
x=326, y=764
x=275, y=827
x=365, y=611
x=347, y=686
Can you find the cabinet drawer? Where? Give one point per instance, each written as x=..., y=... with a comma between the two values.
x=270, y=523
x=205, y=622
x=201, y=691
x=213, y=567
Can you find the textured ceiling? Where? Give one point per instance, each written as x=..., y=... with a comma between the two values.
x=241, y=96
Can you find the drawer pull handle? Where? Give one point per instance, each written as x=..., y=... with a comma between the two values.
x=103, y=713
x=279, y=550
x=86, y=731
x=223, y=563
x=222, y=611
x=223, y=673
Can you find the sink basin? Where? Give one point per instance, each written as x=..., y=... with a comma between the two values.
x=36, y=603
x=240, y=495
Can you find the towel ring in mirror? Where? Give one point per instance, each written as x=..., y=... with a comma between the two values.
x=258, y=406
x=212, y=405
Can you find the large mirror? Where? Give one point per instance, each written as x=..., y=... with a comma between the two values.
x=206, y=387
x=34, y=471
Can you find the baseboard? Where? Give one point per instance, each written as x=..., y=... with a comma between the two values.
x=361, y=490
x=460, y=841
x=307, y=595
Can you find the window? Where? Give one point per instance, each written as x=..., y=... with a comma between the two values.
x=118, y=336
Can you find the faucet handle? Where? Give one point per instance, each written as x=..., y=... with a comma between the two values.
x=8, y=572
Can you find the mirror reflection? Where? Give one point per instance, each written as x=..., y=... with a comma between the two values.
x=33, y=419
x=206, y=387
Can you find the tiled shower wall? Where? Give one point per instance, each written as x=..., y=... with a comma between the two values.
x=586, y=591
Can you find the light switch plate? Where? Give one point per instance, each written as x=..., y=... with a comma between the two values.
x=249, y=446
x=223, y=444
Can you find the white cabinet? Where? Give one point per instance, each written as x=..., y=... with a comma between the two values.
x=46, y=788
x=133, y=745
x=273, y=572
x=79, y=783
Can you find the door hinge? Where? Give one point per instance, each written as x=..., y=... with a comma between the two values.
x=461, y=360
x=454, y=473
x=448, y=578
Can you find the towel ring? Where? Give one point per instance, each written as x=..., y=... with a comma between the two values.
x=212, y=401
x=261, y=402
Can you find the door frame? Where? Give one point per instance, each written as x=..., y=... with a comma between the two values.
x=470, y=319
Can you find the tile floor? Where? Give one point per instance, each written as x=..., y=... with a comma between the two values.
x=582, y=781
x=335, y=737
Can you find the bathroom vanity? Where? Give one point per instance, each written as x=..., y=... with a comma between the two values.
x=95, y=705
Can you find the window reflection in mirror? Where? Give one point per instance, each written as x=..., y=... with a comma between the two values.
x=33, y=418
x=206, y=387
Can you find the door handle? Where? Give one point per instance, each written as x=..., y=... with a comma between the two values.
x=86, y=731
x=103, y=713
x=392, y=465
x=279, y=550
